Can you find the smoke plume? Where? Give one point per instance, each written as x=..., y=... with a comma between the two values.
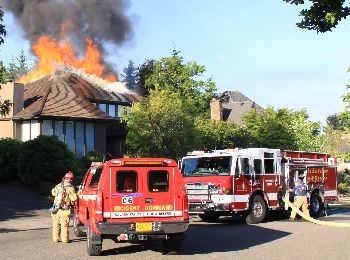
x=104, y=21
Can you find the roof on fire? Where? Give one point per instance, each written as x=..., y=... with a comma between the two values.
x=70, y=95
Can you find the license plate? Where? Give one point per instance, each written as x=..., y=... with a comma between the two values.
x=144, y=226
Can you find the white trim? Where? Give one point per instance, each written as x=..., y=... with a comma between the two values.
x=142, y=214
x=87, y=197
x=218, y=198
x=330, y=193
x=241, y=198
x=272, y=196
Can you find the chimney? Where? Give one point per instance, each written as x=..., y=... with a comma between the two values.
x=13, y=92
x=215, y=109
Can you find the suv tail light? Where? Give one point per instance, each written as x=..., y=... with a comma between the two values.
x=99, y=203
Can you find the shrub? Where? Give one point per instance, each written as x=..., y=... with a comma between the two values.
x=91, y=157
x=9, y=152
x=46, y=159
x=343, y=188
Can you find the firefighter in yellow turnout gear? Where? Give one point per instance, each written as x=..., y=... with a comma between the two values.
x=65, y=197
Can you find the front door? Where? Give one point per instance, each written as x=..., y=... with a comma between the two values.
x=242, y=182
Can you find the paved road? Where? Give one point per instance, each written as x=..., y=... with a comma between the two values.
x=25, y=233
x=29, y=238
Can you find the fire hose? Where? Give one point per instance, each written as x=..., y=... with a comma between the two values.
x=312, y=220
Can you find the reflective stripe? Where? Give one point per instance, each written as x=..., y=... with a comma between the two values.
x=330, y=193
x=241, y=198
x=87, y=197
x=142, y=214
x=272, y=196
x=222, y=198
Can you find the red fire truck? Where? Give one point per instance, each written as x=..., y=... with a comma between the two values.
x=252, y=181
x=132, y=199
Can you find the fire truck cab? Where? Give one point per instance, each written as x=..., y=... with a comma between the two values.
x=252, y=181
x=132, y=199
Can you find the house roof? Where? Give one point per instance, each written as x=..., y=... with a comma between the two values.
x=70, y=95
x=235, y=105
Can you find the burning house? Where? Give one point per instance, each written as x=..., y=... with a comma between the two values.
x=81, y=110
x=73, y=91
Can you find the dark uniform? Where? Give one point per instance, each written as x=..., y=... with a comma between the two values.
x=300, y=201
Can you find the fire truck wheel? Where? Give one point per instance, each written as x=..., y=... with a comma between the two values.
x=77, y=227
x=316, y=205
x=209, y=217
x=93, y=248
x=172, y=245
x=257, y=210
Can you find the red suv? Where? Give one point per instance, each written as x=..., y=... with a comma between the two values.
x=132, y=199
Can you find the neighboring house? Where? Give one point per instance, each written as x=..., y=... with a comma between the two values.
x=232, y=106
x=83, y=111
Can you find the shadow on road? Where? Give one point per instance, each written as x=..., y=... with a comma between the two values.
x=19, y=202
x=209, y=238
x=205, y=238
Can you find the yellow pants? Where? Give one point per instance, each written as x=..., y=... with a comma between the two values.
x=300, y=202
x=60, y=224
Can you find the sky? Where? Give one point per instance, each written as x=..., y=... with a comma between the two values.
x=251, y=46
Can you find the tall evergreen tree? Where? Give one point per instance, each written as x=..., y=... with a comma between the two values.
x=131, y=76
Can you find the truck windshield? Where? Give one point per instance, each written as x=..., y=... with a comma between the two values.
x=206, y=166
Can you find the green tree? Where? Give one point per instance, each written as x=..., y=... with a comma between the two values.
x=282, y=128
x=174, y=74
x=306, y=132
x=131, y=76
x=18, y=66
x=161, y=125
x=3, y=31
x=221, y=134
x=336, y=141
x=6, y=104
x=321, y=16
x=334, y=121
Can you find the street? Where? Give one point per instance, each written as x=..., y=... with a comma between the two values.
x=230, y=238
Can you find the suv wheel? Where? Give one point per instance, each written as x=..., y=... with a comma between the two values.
x=93, y=247
x=172, y=245
x=77, y=227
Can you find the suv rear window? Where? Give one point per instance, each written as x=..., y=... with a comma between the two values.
x=158, y=181
x=96, y=174
x=126, y=181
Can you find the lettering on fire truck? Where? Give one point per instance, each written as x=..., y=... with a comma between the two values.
x=146, y=208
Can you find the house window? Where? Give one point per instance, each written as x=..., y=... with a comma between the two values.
x=70, y=141
x=47, y=127
x=90, y=137
x=25, y=131
x=111, y=110
x=34, y=129
x=79, y=134
x=58, y=131
x=30, y=130
x=103, y=107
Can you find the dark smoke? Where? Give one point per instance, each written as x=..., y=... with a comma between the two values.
x=104, y=21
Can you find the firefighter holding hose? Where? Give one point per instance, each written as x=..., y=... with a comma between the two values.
x=300, y=200
x=65, y=197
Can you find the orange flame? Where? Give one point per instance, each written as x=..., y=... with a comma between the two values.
x=51, y=54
